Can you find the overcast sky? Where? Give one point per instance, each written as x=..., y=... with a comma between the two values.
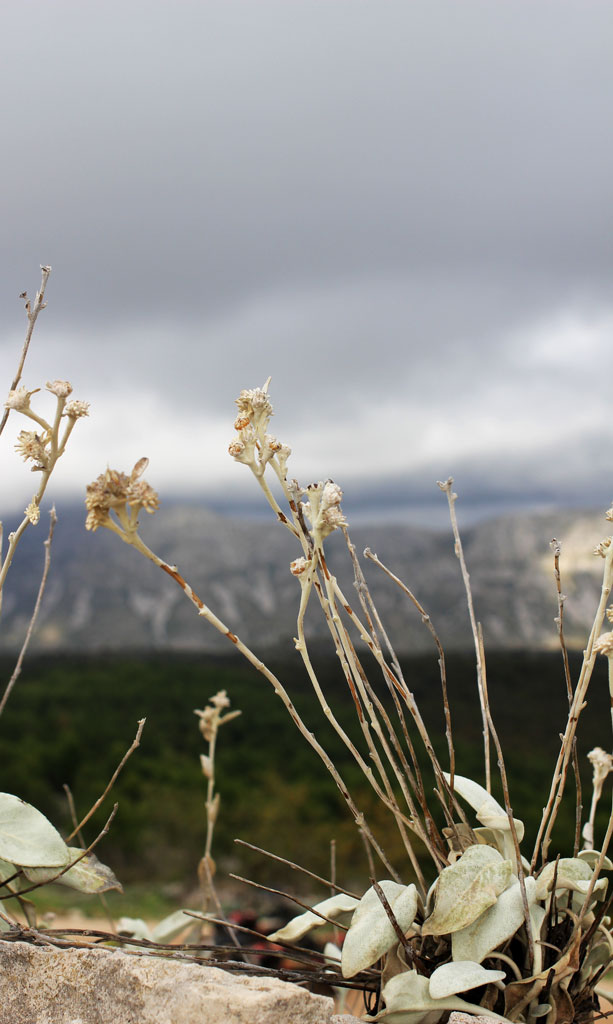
x=400, y=210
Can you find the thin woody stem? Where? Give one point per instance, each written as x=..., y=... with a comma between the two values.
x=132, y=537
x=556, y=548
x=32, y=313
x=561, y=769
x=425, y=618
x=451, y=499
x=30, y=630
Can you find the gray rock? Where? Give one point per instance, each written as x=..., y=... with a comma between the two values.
x=46, y=985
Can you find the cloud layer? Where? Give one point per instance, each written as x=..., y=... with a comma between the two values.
x=401, y=211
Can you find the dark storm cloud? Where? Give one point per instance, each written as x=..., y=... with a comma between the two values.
x=376, y=203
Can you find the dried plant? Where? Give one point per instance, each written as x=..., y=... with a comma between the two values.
x=484, y=930
x=32, y=852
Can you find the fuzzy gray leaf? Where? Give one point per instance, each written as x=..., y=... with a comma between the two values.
x=408, y=1001
x=467, y=888
x=460, y=976
x=27, y=838
x=336, y=907
x=371, y=933
x=495, y=926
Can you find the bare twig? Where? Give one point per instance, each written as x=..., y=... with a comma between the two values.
x=30, y=630
x=72, y=863
x=288, y=896
x=296, y=867
x=559, y=621
x=578, y=703
x=92, y=810
x=427, y=621
x=32, y=312
x=446, y=486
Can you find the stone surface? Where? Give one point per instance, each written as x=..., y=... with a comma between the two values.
x=45, y=985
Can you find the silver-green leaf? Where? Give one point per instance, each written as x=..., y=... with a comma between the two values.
x=408, y=1000
x=337, y=908
x=495, y=926
x=27, y=838
x=467, y=888
x=460, y=976
x=88, y=875
x=371, y=932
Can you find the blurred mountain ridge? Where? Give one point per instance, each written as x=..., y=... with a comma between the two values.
x=102, y=595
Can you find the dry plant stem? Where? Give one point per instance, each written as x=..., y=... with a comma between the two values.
x=556, y=548
x=559, y=776
x=130, y=536
x=451, y=499
x=57, y=448
x=92, y=810
x=75, y=822
x=32, y=314
x=597, y=867
x=85, y=853
x=425, y=618
x=212, y=894
x=327, y=710
x=294, y=899
x=392, y=920
x=334, y=591
x=30, y=630
x=507, y=802
x=387, y=798
x=306, y=955
x=297, y=867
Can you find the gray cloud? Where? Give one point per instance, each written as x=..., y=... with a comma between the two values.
x=401, y=211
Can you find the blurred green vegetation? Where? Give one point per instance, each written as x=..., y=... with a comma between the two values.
x=71, y=719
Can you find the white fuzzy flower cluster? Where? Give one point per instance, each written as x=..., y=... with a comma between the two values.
x=254, y=446
x=323, y=509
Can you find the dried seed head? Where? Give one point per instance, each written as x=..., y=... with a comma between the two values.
x=76, y=409
x=19, y=399
x=299, y=566
x=601, y=549
x=604, y=644
x=33, y=512
x=253, y=402
x=602, y=764
x=31, y=446
x=220, y=700
x=59, y=388
x=331, y=519
x=139, y=493
x=331, y=494
x=241, y=422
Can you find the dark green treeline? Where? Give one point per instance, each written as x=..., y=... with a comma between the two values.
x=70, y=720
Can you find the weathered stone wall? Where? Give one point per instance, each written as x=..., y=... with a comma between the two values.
x=45, y=985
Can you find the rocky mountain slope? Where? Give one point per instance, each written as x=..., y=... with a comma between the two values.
x=103, y=595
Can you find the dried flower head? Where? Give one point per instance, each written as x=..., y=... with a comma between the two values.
x=331, y=494
x=33, y=513
x=114, y=490
x=76, y=409
x=220, y=700
x=331, y=519
x=31, y=445
x=299, y=566
x=59, y=388
x=141, y=494
x=604, y=644
x=602, y=548
x=602, y=764
x=19, y=399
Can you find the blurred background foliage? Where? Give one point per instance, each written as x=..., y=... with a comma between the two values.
x=70, y=720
